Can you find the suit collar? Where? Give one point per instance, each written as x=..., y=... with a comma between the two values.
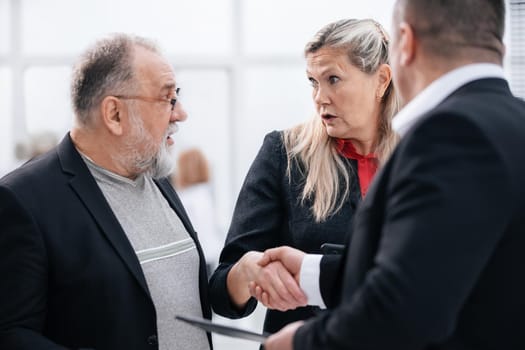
x=85, y=186
x=439, y=90
x=175, y=203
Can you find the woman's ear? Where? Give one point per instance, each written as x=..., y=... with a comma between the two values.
x=384, y=77
x=112, y=110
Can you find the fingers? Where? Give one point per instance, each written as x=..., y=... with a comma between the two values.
x=290, y=257
x=274, y=278
x=263, y=297
x=272, y=254
x=266, y=259
x=242, y=272
x=270, y=281
x=292, y=287
x=251, y=289
x=276, y=288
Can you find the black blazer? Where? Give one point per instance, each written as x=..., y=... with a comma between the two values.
x=268, y=214
x=438, y=249
x=70, y=277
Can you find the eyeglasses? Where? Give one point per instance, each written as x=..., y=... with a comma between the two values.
x=171, y=101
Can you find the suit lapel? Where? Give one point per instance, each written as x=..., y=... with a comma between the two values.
x=175, y=204
x=90, y=194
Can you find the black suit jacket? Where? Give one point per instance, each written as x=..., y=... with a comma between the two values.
x=70, y=277
x=438, y=249
x=268, y=214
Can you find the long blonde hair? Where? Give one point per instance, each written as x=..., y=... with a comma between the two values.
x=328, y=181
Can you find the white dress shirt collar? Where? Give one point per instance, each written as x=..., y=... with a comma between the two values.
x=440, y=89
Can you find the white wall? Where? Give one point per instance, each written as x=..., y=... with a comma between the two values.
x=239, y=64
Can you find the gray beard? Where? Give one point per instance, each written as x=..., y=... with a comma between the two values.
x=156, y=161
x=163, y=162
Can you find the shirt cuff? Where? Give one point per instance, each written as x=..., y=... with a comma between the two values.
x=309, y=279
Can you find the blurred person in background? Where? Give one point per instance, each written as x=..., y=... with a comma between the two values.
x=306, y=182
x=37, y=144
x=34, y=145
x=96, y=250
x=192, y=181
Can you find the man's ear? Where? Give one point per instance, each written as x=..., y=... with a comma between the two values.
x=112, y=110
x=407, y=44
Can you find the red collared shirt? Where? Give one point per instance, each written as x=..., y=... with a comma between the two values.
x=366, y=164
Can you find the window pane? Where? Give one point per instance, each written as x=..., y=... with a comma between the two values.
x=6, y=132
x=284, y=27
x=4, y=26
x=272, y=98
x=205, y=96
x=47, y=102
x=189, y=27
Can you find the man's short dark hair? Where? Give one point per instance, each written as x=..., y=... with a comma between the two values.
x=451, y=27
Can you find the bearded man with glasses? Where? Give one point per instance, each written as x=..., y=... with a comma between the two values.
x=96, y=250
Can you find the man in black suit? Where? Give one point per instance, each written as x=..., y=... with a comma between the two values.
x=437, y=255
x=96, y=250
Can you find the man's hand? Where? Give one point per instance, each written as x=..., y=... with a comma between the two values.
x=283, y=340
x=281, y=288
x=276, y=288
x=291, y=259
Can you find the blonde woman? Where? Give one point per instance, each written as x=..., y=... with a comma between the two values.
x=306, y=182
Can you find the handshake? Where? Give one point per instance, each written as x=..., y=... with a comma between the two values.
x=272, y=277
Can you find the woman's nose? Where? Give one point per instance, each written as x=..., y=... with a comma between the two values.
x=321, y=97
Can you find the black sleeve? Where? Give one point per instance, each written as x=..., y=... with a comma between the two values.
x=257, y=223
x=330, y=278
x=436, y=239
x=23, y=267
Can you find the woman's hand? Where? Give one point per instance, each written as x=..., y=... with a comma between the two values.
x=275, y=260
x=278, y=289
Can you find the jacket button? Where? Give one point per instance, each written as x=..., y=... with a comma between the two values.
x=152, y=340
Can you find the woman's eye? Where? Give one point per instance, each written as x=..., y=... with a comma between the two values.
x=333, y=79
x=312, y=82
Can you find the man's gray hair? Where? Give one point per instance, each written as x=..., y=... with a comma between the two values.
x=106, y=68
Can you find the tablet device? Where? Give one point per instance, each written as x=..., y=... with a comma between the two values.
x=235, y=332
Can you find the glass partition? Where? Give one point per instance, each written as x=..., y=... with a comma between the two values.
x=5, y=27
x=46, y=98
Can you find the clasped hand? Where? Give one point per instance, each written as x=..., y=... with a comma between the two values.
x=275, y=278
